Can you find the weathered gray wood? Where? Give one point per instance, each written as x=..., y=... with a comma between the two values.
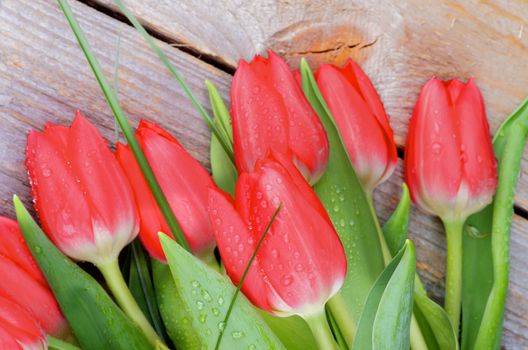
x=44, y=76
x=400, y=44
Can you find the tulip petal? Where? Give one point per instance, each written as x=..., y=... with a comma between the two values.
x=236, y=246
x=20, y=287
x=12, y=245
x=113, y=213
x=185, y=183
x=362, y=132
x=437, y=146
x=152, y=221
x=18, y=330
x=301, y=269
x=59, y=201
x=479, y=163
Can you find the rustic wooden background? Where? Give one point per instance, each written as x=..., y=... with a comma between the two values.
x=44, y=77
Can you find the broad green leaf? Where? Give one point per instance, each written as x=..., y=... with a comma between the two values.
x=224, y=171
x=292, y=331
x=478, y=275
x=142, y=288
x=172, y=309
x=346, y=203
x=205, y=296
x=95, y=319
x=395, y=229
x=434, y=323
x=386, y=318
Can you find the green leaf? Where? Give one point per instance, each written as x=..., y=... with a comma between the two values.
x=395, y=229
x=58, y=344
x=205, y=297
x=172, y=309
x=95, y=319
x=478, y=267
x=386, y=318
x=142, y=288
x=292, y=331
x=346, y=203
x=224, y=171
x=434, y=323
x=124, y=124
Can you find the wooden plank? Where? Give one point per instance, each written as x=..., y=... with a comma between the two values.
x=44, y=76
x=400, y=44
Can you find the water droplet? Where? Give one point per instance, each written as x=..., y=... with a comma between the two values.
x=252, y=347
x=200, y=305
x=208, y=331
x=195, y=284
x=296, y=255
x=264, y=204
x=46, y=172
x=258, y=195
x=474, y=232
x=206, y=296
x=215, y=311
x=299, y=268
x=202, y=318
x=286, y=238
x=437, y=148
x=274, y=253
x=286, y=280
x=351, y=223
x=237, y=334
x=342, y=222
x=220, y=301
x=221, y=325
x=38, y=249
x=336, y=208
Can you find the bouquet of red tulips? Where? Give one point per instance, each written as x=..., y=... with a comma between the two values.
x=281, y=247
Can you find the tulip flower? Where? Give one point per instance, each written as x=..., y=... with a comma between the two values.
x=450, y=166
x=270, y=112
x=185, y=183
x=81, y=194
x=361, y=120
x=18, y=329
x=22, y=281
x=85, y=202
x=301, y=263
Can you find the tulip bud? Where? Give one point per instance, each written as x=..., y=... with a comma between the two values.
x=81, y=194
x=449, y=161
x=270, y=112
x=361, y=120
x=184, y=182
x=301, y=263
x=22, y=281
x=18, y=330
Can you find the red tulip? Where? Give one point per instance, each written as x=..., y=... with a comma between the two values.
x=185, y=183
x=361, y=120
x=270, y=112
x=449, y=162
x=301, y=263
x=18, y=330
x=23, y=283
x=81, y=194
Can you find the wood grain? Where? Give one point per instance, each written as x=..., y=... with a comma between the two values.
x=44, y=77
x=400, y=44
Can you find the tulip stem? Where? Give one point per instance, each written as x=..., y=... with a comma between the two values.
x=321, y=331
x=453, y=289
x=115, y=281
x=343, y=318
